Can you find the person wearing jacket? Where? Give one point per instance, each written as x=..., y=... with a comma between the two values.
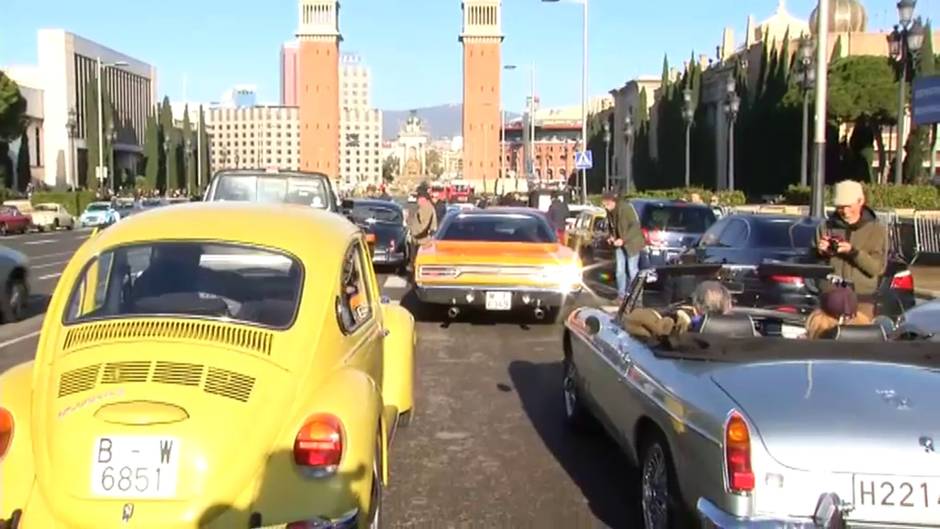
x=558, y=216
x=854, y=243
x=626, y=236
x=422, y=223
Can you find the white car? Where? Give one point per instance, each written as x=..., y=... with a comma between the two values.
x=99, y=214
x=52, y=216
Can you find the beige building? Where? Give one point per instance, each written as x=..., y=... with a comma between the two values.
x=253, y=137
x=360, y=157
x=626, y=100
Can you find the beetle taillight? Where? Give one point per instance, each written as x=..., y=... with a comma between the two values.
x=319, y=443
x=6, y=431
x=738, y=454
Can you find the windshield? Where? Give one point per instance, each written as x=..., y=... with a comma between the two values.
x=783, y=233
x=194, y=279
x=361, y=213
x=98, y=207
x=684, y=219
x=497, y=228
x=274, y=189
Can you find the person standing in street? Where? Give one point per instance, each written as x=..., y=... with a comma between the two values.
x=626, y=237
x=440, y=207
x=854, y=243
x=421, y=224
x=558, y=215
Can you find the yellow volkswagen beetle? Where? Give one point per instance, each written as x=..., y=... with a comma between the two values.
x=194, y=370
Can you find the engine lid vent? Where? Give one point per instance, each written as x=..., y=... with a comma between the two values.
x=254, y=340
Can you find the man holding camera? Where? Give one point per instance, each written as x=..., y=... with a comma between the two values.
x=855, y=243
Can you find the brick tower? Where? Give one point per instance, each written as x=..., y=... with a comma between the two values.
x=318, y=91
x=482, y=64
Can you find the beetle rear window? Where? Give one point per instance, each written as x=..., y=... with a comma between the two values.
x=190, y=279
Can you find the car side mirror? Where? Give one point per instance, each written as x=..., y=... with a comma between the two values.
x=593, y=325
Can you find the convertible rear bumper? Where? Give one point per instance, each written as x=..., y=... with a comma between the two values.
x=347, y=521
x=713, y=517
x=475, y=295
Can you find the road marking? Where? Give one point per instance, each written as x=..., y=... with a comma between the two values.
x=48, y=255
x=395, y=282
x=47, y=265
x=41, y=241
x=19, y=339
x=49, y=276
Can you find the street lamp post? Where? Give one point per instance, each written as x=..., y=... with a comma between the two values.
x=71, y=126
x=628, y=169
x=822, y=91
x=112, y=139
x=688, y=115
x=101, y=66
x=732, y=106
x=606, y=156
x=806, y=76
x=904, y=43
x=188, y=146
x=584, y=89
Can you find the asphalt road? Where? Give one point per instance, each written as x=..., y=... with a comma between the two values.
x=487, y=446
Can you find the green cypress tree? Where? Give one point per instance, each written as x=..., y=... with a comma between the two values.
x=204, y=146
x=23, y=174
x=152, y=151
x=170, y=143
x=189, y=154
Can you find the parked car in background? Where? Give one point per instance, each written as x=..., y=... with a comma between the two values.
x=273, y=186
x=99, y=214
x=670, y=228
x=52, y=216
x=921, y=322
x=14, y=286
x=12, y=220
x=753, y=239
x=588, y=235
x=385, y=220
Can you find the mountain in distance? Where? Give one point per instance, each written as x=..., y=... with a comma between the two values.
x=441, y=121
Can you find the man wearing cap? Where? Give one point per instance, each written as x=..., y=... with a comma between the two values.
x=422, y=224
x=854, y=243
x=626, y=236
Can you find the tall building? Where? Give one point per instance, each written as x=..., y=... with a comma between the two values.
x=482, y=65
x=67, y=67
x=318, y=97
x=240, y=96
x=289, y=74
x=360, y=125
x=255, y=137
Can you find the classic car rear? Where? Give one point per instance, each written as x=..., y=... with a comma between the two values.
x=385, y=221
x=273, y=187
x=497, y=259
x=737, y=427
x=52, y=216
x=12, y=220
x=670, y=228
x=169, y=340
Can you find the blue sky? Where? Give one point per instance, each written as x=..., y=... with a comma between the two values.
x=411, y=45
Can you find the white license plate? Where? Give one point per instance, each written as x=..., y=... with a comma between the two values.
x=895, y=499
x=135, y=467
x=499, y=301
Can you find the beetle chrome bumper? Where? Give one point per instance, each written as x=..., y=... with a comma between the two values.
x=714, y=518
x=347, y=521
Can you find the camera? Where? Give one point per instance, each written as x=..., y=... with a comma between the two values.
x=834, y=245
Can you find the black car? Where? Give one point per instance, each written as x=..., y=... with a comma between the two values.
x=751, y=240
x=670, y=228
x=386, y=221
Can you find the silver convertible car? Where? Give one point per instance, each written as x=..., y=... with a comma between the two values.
x=743, y=425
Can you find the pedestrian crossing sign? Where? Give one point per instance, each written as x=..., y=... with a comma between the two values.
x=583, y=160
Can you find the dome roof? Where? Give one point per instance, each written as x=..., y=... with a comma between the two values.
x=845, y=16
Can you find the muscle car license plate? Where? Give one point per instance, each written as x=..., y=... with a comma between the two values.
x=499, y=301
x=895, y=499
x=135, y=467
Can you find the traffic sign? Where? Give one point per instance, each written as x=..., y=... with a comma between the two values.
x=583, y=160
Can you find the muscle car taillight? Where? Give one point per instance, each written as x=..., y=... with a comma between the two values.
x=319, y=444
x=6, y=431
x=738, y=454
x=437, y=272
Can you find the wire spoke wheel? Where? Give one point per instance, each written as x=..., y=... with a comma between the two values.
x=655, y=487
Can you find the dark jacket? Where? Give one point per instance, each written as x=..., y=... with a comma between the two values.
x=624, y=223
x=558, y=214
x=440, y=210
x=869, y=257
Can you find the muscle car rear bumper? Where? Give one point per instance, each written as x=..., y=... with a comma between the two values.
x=714, y=518
x=475, y=295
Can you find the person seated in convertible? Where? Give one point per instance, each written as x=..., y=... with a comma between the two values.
x=710, y=298
x=837, y=307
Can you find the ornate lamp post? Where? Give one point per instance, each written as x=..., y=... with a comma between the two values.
x=606, y=156
x=166, y=162
x=806, y=77
x=688, y=115
x=732, y=107
x=110, y=177
x=628, y=169
x=188, y=146
x=904, y=43
x=71, y=126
